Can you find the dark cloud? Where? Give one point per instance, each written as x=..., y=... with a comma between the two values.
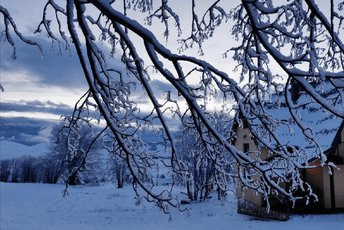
x=36, y=106
x=30, y=131
x=25, y=130
x=52, y=69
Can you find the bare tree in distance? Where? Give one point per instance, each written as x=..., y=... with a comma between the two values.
x=73, y=154
x=201, y=178
x=295, y=35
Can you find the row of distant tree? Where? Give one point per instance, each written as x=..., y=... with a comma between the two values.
x=23, y=169
x=58, y=164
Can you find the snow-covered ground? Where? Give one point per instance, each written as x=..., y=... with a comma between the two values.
x=42, y=207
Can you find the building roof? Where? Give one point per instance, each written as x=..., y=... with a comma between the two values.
x=324, y=125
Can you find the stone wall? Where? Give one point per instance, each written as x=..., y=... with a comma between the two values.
x=249, y=208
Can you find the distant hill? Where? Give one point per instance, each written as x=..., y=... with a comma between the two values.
x=9, y=149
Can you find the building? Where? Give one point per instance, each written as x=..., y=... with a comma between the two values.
x=329, y=132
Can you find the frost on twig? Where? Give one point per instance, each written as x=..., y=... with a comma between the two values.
x=6, y=34
x=295, y=37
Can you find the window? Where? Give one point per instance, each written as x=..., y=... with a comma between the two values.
x=246, y=147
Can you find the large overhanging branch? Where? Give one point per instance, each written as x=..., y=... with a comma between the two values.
x=264, y=31
x=153, y=48
x=265, y=36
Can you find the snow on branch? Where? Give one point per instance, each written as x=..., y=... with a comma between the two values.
x=293, y=37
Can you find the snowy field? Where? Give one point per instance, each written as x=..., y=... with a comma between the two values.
x=42, y=207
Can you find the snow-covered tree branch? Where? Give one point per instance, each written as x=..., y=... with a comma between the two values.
x=289, y=50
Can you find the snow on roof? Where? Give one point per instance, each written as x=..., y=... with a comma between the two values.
x=323, y=124
x=317, y=120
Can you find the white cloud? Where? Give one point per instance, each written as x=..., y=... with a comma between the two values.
x=44, y=135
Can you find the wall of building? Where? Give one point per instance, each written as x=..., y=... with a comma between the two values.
x=244, y=137
x=315, y=177
x=338, y=176
x=248, y=194
x=342, y=136
x=326, y=188
x=319, y=179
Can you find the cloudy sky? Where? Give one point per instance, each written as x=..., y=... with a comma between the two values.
x=38, y=91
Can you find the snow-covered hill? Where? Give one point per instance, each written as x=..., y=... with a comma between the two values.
x=9, y=149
